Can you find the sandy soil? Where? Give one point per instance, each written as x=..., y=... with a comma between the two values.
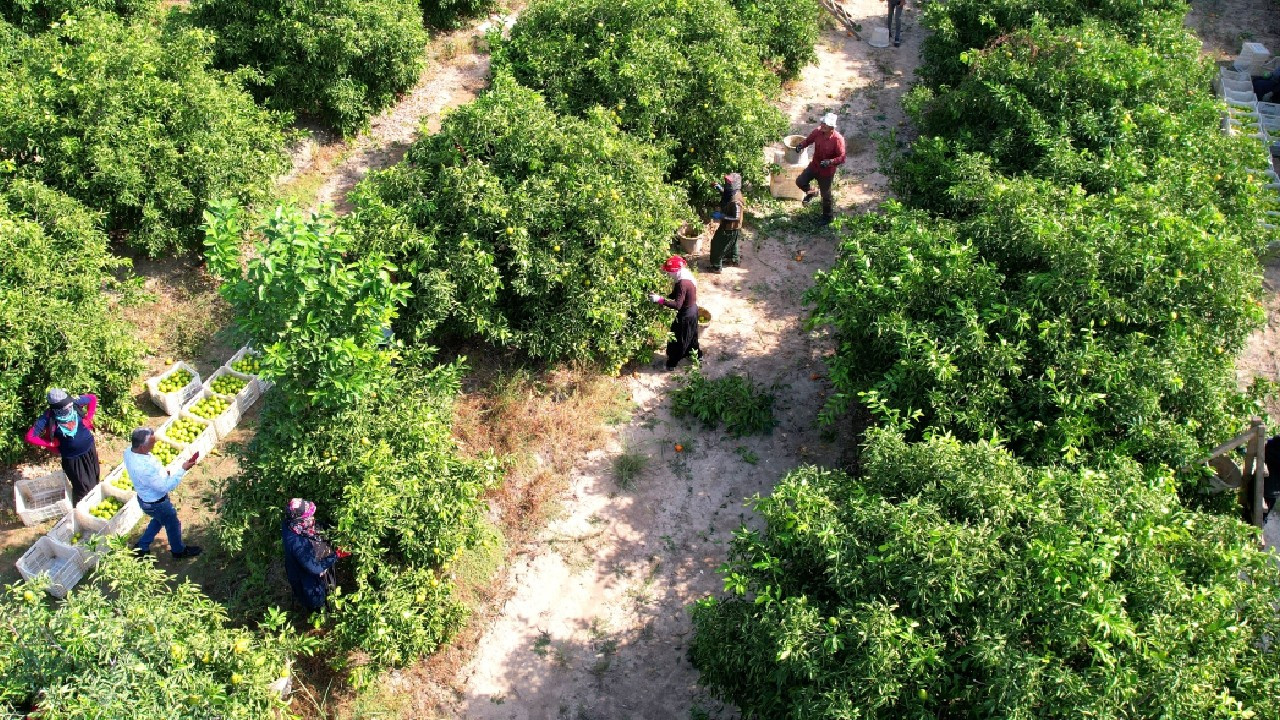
x=596, y=622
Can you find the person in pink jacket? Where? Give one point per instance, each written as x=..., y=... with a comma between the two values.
x=66, y=428
x=828, y=154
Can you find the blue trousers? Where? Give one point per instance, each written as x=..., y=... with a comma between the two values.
x=895, y=13
x=164, y=515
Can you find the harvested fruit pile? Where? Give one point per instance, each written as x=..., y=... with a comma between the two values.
x=228, y=384
x=124, y=482
x=210, y=407
x=106, y=509
x=185, y=430
x=249, y=365
x=164, y=452
x=176, y=381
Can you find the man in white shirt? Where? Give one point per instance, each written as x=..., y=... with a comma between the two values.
x=153, y=484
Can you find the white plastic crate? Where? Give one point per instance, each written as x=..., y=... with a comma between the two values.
x=42, y=498
x=119, y=524
x=224, y=423
x=1240, y=96
x=115, y=491
x=64, y=566
x=90, y=543
x=263, y=384
x=171, y=403
x=247, y=396
x=203, y=443
x=1269, y=109
x=1238, y=105
x=1234, y=75
x=1252, y=56
x=1226, y=85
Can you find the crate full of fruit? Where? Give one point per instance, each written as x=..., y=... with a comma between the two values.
x=190, y=434
x=118, y=483
x=220, y=410
x=102, y=513
x=175, y=387
x=63, y=566
x=248, y=361
x=228, y=382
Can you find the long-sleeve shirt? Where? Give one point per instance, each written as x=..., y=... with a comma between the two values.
x=825, y=147
x=45, y=424
x=683, y=298
x=304, y=570
x=150, y=480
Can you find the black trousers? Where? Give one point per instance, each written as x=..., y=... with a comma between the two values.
x=685, y=329
x=84, y=471
x=824, y=187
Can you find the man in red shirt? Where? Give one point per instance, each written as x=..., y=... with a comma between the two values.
x=828, y=153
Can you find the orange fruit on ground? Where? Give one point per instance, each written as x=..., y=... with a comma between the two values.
x=679, y=447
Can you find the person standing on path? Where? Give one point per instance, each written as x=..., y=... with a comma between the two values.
x=308, y=556
x=724, y=244
x=684, y=300
x=895, y=13
x=828, y=154
x=66, y=428
x=153, y=484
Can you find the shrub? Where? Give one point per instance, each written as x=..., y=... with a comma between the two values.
x=37, y=15
x=949, y=580
x=786, y=30
x=969, y=24
x=1063, y=322
x=451, y=13
x=340, y=61
x=316, y=317
x=385, y=475
x=679, y=73
x=58, y=323
x=129, y=119
x=744, y=407
x=1083, y=107
x=132, y=645
x=530, y=230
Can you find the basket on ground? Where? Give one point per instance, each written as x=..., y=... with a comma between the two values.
x=68, y=533
x=188, y=444
x=220, y=410
x=120, y=522
x=245, y=363
x=173, y=395
x=42, y=498
x=64, y=566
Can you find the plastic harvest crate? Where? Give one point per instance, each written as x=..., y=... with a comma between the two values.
x=91, y=543
x=171, y=403
x=42, y=498
x=64, y=566
x=263, y=385
x=119, y=524
x=224, y=423
x=203, y=443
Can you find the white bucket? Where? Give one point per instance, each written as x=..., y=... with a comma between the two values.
x=790, y=156
x=879, y=37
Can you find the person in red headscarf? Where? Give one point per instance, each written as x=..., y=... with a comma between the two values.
x=684, y=300
x=308, y=556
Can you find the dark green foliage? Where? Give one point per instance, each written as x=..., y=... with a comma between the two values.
x=385, y=475
x=528, y=229
x=744, y=407
x=130, y=120
x=58, y=325
x=681, y=74
x=1063, y=322
x=452, y=13
x=961, y=25
x=949, y=580
x=35, y=16
x=786, y=30
x=340, y=61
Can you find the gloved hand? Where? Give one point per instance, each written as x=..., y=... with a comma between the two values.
x=655, y=297
x=825, y=163
x=717, y=215
x=719, y=188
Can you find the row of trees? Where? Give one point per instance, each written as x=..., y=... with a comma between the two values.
x=1042, y=326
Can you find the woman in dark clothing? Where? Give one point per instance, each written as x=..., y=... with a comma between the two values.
x=724, y=245
x=67, y=428
x=308, y=557
x=684, y=300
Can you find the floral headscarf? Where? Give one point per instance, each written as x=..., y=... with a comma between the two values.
x=301, y=515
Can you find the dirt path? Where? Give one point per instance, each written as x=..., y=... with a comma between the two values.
x=596, y=623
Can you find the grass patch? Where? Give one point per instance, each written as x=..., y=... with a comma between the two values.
x=476, y=568
x=627, y=467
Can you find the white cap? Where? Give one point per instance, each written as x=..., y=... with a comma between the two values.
x=829, y=119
